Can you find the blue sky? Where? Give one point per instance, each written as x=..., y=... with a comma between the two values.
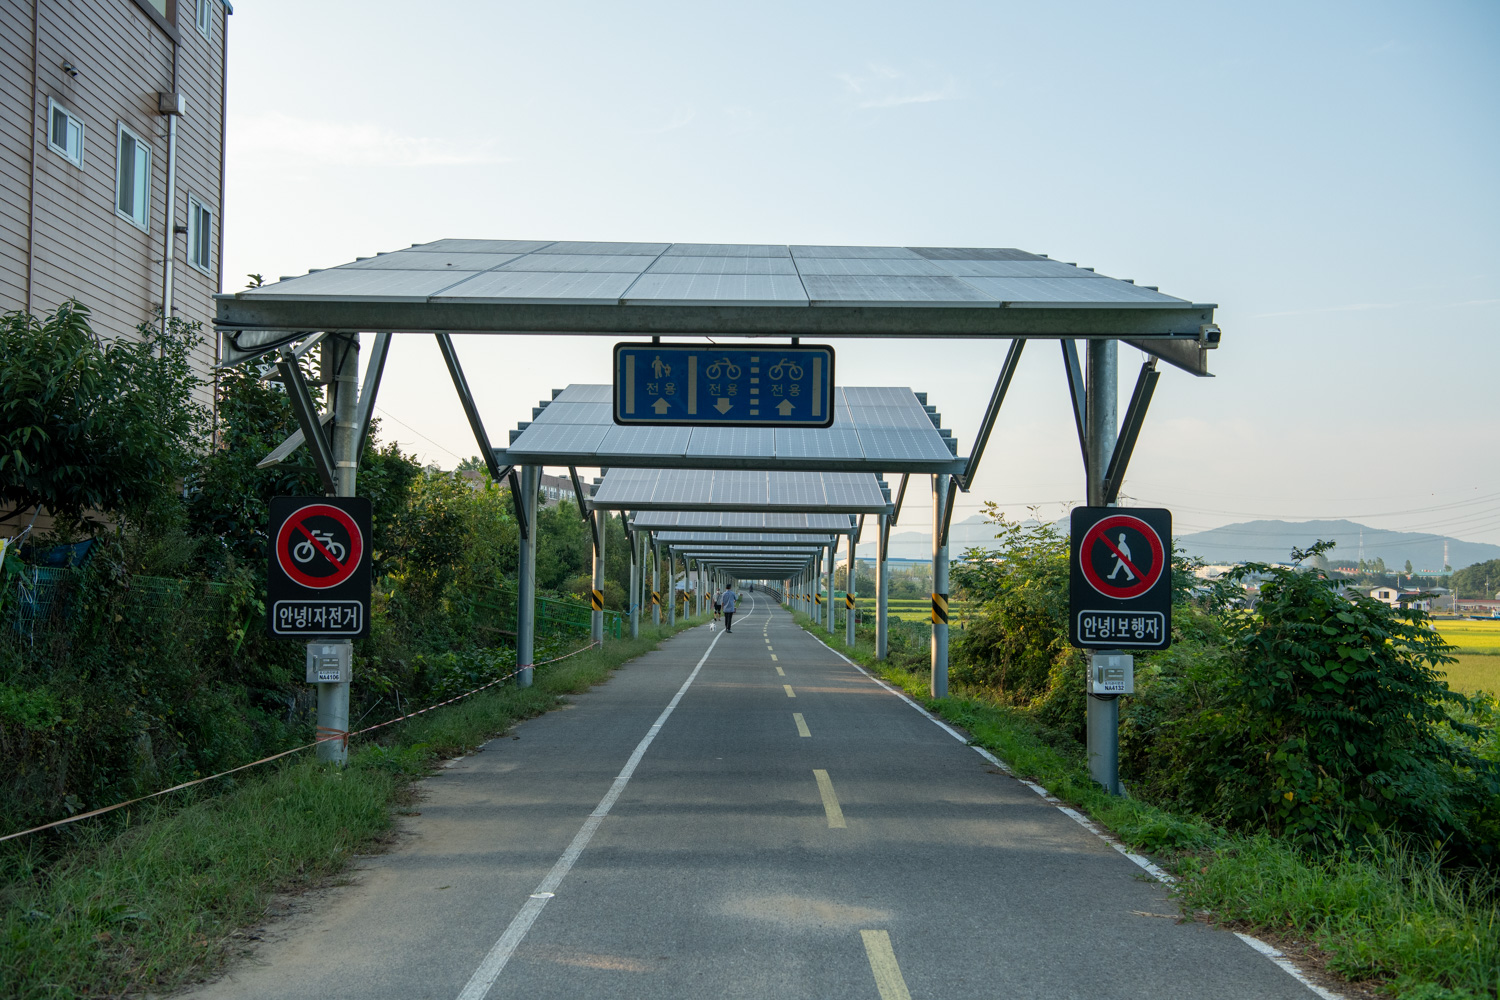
x=1326, y=173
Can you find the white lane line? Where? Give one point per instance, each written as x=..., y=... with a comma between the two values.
x=494, y=963
x=1145, y=863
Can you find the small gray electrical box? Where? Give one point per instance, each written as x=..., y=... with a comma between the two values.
x=1112, y=673
x=331, y=662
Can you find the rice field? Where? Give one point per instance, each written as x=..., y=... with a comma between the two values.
x=1478, y=653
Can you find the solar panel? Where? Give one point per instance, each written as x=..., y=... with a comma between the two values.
x=541, y=287
x=1065, y=290
x=483, y=246
x=718, y=289
x=416, y=260
x=855, y=252
x=621, y=249
x=578, y=262
x=974, y=253
x=727, y=250
x=868, y=266
x=891, y=290
x=679, y=264
x=362, y=284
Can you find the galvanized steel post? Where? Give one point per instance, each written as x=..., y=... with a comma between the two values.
x=531, y=482
x=939, y=589
x=656, y=585
x=671, y=587
x=882, y=591
x=849, y=589
x=596, y=617
x=1101, y=403
x=637, y=574
x=832, y=558
x=340, y=361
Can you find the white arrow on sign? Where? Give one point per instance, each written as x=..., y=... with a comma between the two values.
x=723, y=405
x=660, y=406
x=785, y=406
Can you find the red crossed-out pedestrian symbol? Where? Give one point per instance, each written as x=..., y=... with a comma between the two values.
x=1121, y=557
x=319, y=546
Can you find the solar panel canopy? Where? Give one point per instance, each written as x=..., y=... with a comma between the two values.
x=875, y=429
x=712, y=289
x=740, y=490
x=771, y=524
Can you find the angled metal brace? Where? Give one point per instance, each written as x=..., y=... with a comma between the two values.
x=948, y=505
x=890, y=522
x=461, y=384
x=366, y=407
x=1130, y=430
x=859, y=529
x=1076, y=395
x=294, y=441
x=307, y=419
x=583, y=510
x=1002, y=385
x=515, y=500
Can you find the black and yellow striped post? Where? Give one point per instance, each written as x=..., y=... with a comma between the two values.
x=939, y=609
x=656, y=598
x=598, y=600
x=849, y=601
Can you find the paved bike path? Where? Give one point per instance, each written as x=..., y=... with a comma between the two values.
x=721, y=868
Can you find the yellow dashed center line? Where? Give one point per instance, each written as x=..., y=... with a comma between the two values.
x=802, y=729
x=789, y=692
x=888, y=979
x=780, y=672
x=773, y=656
x=830, y=801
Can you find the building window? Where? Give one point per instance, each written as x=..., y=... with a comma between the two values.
x=133, y=179
x=200, y=234
x=205, y=18
x=64, y=132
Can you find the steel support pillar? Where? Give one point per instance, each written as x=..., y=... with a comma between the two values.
x=656, y=585
x=882, y=589
x=637, y=574
x=672, y=588
x=596, y=618
x=940, y=499
x=340, y=364
x=849, y=589
x=832, y=558
x=531, y=481
x=1101, y=423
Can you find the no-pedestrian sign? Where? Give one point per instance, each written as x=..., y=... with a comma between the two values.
x=318, y=580
x=1120, y=584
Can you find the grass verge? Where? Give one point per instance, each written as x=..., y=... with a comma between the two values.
x=1383, y=915
x=162, y=903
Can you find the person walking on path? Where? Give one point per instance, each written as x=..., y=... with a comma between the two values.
x=729, y=600
x=717, y=605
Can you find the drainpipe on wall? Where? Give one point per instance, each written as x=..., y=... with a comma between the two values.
x=172, y=105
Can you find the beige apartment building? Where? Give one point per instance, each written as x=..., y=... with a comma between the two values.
x=112, y=158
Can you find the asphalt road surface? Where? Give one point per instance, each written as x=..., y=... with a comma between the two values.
x=743, y=815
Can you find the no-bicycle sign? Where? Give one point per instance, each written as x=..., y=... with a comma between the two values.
x=318, y=578
x=1120, y=585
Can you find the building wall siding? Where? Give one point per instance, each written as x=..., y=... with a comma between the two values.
x=81, y=248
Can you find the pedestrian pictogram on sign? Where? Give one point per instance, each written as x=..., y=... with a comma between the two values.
x=1120, y=584
x=318, y=573
x=1121, y=557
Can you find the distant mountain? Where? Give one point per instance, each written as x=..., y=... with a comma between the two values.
x=973, y=532
x=1273, y=541
x=1260, y=541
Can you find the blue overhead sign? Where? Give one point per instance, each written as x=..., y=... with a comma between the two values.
x=776, y=385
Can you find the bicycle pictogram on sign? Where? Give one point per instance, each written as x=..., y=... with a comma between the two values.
x=319, y=546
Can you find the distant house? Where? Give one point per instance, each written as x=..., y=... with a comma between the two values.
x=1483, y=607
x=1395, y=597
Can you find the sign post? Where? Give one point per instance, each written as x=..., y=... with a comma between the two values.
x=1119, y=599
x=777, y=385
x=318, y=589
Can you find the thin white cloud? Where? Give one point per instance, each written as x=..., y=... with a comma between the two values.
x=680, y=118
x=274, y=136
x=884, y=87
